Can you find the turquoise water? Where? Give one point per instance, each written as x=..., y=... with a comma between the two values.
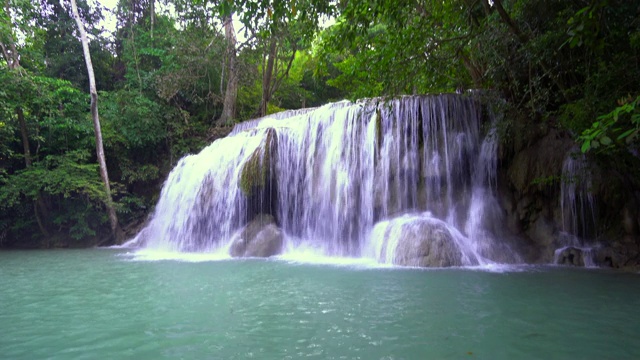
x=84, y=304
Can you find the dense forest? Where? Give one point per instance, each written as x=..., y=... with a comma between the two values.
x=176, y=74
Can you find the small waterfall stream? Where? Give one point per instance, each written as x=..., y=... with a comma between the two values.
x=410, y=181
x=578, y=213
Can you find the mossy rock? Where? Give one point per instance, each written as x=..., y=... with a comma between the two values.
x=256, y=171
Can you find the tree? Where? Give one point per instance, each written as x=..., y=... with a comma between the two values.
x=62, y=52
x=113, y=218
x=281, y=28
x=57, y=200
x=12, y=58
x=7, y=38
x=231, y=93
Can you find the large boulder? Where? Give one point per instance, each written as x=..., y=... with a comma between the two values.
x=616, y=256
x=417, y=240
x=259, y=238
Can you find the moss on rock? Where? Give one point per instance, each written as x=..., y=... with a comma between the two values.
x=256, y=171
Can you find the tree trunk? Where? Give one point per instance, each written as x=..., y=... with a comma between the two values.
x=152, y=15
x=509, y=21
x=25, y=137
x=523, y=38
x=472, y=69
x=113, y=219
x=13, y=63
x=266, y=78
x=11, y=53
x=231, y=94
x=39, y=207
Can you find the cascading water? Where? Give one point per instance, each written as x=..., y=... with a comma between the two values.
x=577, y=201
x=409, y=181
x=578, y=212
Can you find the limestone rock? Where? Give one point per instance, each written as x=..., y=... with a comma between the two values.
x=610, y=257
x=570, y=256
x=257, y=169
x=541, y=160
x=433, y=248
x=419, y=241
x=259, y=238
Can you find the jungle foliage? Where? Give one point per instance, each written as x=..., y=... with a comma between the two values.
x=162, y=77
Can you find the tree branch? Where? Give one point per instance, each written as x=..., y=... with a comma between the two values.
x=506, y=18
x=5, y=54
x=286, y=72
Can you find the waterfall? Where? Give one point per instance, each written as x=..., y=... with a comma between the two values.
x=578, y=211
x=576, y=198
x=346, y=179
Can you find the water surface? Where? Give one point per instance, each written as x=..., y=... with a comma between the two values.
x=79, y=304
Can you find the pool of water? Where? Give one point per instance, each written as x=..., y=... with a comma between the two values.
x=81, y=304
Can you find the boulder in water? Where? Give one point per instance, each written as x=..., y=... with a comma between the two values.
x=423, y=241
x=610, y=257
x=570, y=256
x=259, y=238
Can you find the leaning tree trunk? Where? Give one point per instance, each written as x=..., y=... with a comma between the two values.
x=113, y=218
x=523, y=38
x=152, y=15
x=231, y=94
x=9, y=50
x=13, y=63
x=266, y=78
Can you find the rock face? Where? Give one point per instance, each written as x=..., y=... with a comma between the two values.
x=417, y=241
x=570, y=256
x=256, y=172
x=259, y=238
x=530, y=187
x=530, y=193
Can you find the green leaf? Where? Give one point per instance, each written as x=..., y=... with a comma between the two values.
x=625, y=134
x=605, y=140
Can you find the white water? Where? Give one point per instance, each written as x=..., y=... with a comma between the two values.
x=577, y=200
x=333, y=173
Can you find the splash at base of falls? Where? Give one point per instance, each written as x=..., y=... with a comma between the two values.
x=158, y=255
x=329, y=180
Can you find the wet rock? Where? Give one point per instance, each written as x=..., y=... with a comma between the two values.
x=259, y=238
x=542, y=160
x=419, y=241
x=615, y=256
x=543, y=234
x=570, y=256
x=256, y=172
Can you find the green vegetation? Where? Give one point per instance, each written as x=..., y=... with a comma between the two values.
x=623, y=123
x=163, y=78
